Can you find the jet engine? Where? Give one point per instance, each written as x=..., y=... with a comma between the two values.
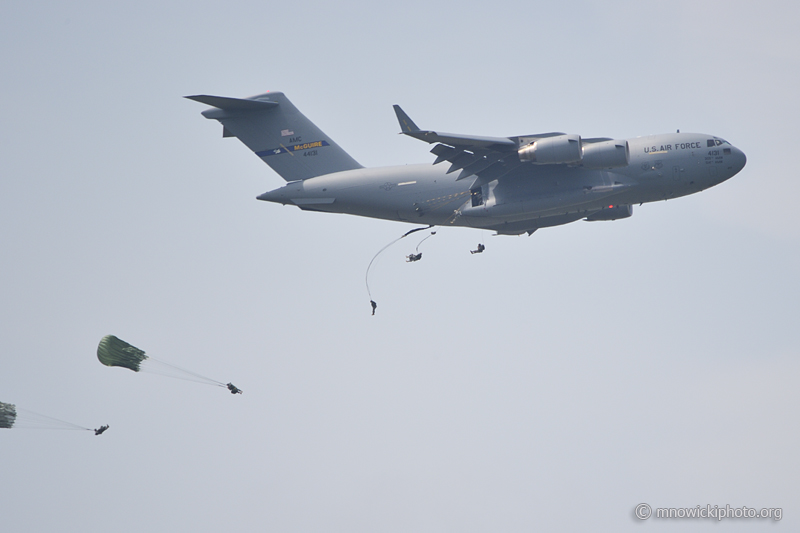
x=552, y=150
x=606, y=154
x=611, y=213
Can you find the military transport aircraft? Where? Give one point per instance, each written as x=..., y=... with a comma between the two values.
x=511, y=185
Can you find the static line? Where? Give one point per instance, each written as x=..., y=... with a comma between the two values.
x=423, y=240
x=406, y=234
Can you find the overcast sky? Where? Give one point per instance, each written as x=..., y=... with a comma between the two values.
x=550, y=384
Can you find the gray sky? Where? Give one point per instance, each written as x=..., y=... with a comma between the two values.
x=552, y=383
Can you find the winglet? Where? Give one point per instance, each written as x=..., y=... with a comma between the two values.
x=406, y=124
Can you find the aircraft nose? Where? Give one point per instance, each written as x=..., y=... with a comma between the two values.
x=739, y=160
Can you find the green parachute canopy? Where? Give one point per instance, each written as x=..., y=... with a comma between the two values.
x=116, y=352
x=8, y=414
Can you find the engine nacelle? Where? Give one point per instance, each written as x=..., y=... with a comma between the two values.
x=553, y=150
x=606, y=154
x=611, y=213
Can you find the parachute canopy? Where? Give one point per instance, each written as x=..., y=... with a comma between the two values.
x=115, y=352
x=8, y=414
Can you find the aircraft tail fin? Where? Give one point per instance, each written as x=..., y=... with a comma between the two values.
x=280, y=135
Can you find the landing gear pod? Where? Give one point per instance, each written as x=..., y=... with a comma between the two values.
x=611, y=213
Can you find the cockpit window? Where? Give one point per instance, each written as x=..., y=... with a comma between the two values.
x=716, y=141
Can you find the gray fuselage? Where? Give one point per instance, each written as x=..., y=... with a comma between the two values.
x=531, y=197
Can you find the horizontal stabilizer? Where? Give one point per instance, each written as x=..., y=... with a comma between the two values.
x=232, y=104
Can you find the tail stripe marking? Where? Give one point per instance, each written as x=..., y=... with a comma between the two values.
x=293, y=148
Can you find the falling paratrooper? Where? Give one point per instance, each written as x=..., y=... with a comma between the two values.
x=113, y=351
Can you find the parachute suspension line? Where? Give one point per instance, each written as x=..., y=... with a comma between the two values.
x=366, y=276
x=33, y=420
x=198, y=378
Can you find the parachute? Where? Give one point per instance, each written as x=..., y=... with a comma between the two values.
x=8, y=415
x=113, y=351
x=116, y=352
x=12, y=417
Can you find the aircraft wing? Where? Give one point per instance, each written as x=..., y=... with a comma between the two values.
x=489, y=158
x=412, y=130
